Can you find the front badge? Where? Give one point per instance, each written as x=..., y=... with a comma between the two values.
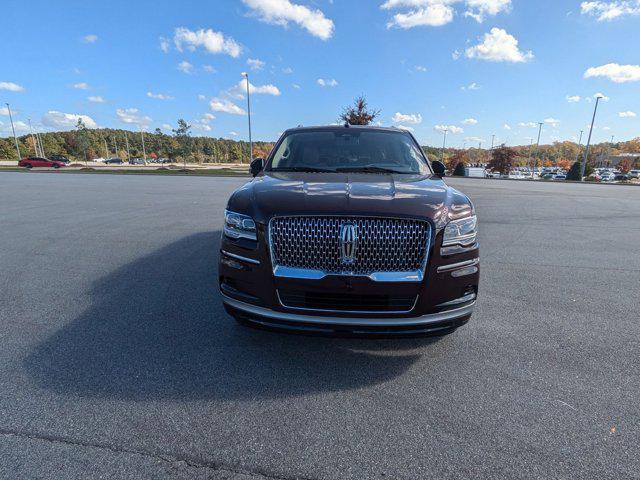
x=348, y=242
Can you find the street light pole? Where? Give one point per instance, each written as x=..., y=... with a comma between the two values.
x=33, y=140
x=126, y=139
x=444, y=143
x=535, y=161
x=144, y=152
x=493, y=137
x=246, y=76
x=13, y=130
x=586, y=152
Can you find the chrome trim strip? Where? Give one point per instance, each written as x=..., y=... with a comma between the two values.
x=294, y=317
x=364, y=312
x=308, y=274
x=240, y=257
x=467, y=298
x=455, y=266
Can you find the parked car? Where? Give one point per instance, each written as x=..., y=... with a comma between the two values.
x=114, y=161
x=620, y=177
x=59, y=158
x=137, y=161
x=560, y=176
x=349, y=229
x=606, y=176
x=634, y=174
x=31, y=162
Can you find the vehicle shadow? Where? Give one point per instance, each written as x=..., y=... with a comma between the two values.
x=157, y=329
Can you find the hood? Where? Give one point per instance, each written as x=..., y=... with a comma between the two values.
x=360, y=194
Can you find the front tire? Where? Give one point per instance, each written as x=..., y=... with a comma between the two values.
x=28, y=165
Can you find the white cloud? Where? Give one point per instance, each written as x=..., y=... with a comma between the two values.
x=420, y=68
x=410, y=118
x=210, y=40
x=506, y=126
x=11, y=87
x=327, y=82
x=479, y=9
x=166, y=126
x=435, y=13
x=239, y=91
x=81, y=86
x=528, y=124
x=281, y=12
x=96, y=99
x=498, y=46
x=607, y=11
x=554, y=122
x=164, y=45
x=225, y=106
x=201, y=97
x=203, y=123
x=5, y=111
x=208, y=69
x=233, y=134
x=66, y=121
x=91, y=38
x=132, y=116
x=255, y=63
x=456, y=54
x=615, y=72
x=473, y=139
x=471, y=86
x=405, y=127
x=449, y=128
x=601, y=96
x=296, y=86
x=185, y=67
x=627, y=114
x=159, y=96
x=573, y=98
x=470, y=121
x=287, y=70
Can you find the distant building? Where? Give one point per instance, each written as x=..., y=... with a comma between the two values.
x=614, y=160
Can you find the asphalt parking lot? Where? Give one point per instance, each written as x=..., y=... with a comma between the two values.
x=118, y=361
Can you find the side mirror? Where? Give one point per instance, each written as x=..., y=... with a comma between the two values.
x=438, y=168
x=256, y=166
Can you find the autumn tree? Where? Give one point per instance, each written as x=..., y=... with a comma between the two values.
x=563, y=163
x=624, y=165
x=502, y=159
x=359, y=113
x=459, y=156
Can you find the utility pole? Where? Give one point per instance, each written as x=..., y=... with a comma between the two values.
x=444, y=143
x=246, y=76
x=126, y=139
x=144, y=152
x=106, y=149
x=115, y=146
x=586, y=152
x=493, y=137
x=40, y=143
x=479, y=152
x=13, y=130
x=33, y=140
x=535, y=161
x=530, y=160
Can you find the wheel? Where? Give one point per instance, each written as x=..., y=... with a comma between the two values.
x=28, y=165
x=56, y=166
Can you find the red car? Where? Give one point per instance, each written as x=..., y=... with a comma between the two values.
x=31, y=162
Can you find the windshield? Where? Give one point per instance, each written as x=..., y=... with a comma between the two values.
x=374, y=151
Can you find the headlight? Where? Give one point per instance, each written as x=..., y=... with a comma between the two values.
x=461, y=232
x=239, y=226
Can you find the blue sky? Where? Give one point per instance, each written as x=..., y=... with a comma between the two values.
x=478, y=67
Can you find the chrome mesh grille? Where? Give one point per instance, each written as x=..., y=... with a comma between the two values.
x=384, y=244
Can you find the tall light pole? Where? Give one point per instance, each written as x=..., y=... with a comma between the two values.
x=106, y=149
x=493, y=137
x=246, y=76
x=530, y=160
x=126, y=139
x=586, y=152
x=535, y=161
x=40, y=143
x=144, y=152
x=444, y=143
x=13, y=130
x=33, y=140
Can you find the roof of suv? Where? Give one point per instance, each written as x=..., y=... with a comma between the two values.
x=343, y=127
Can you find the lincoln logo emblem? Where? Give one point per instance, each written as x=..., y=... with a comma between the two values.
x=348, y=242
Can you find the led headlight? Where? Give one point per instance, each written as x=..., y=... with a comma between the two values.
x=461, y=232
x=239, y=226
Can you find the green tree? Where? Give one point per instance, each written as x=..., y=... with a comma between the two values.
x=359, y=113
x=459, y=170
x=182, y=136
x=574, y=172
x=82, y=136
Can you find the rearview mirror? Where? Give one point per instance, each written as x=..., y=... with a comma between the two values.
x=438, y=168
x=256, y=166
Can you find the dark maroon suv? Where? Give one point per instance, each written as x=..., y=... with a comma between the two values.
x=349, y=230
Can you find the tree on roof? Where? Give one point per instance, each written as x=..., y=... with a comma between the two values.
x=359, y=113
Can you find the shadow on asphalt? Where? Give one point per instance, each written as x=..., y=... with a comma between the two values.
x=157, y=329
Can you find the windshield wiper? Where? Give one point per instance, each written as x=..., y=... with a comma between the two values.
x=368, y=169
x=304, y=169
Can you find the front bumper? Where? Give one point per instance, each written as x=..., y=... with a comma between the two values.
x=433, y=323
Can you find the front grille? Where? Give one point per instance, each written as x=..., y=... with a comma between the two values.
x=383, y=244
x=346, y=302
